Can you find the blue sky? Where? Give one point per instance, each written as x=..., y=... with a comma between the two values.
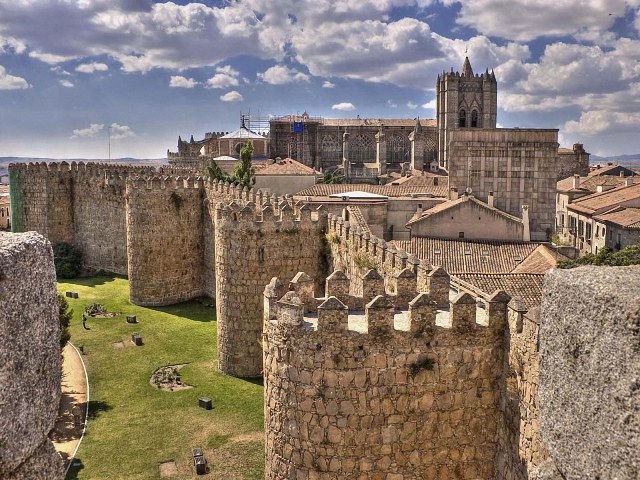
x=73, y=70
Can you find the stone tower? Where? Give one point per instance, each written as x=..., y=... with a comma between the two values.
x=464, y=100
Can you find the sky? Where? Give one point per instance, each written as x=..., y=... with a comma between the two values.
x=76, y=73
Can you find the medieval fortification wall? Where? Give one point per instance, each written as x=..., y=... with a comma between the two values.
x=381, y=402
x=251, y=247
x=521, y=448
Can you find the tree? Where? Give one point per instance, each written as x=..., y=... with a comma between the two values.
x=214, y=171
x=67, y=260
x=334, y=176
x=244, y=175
x=64, y=314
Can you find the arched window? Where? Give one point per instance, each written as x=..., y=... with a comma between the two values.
x=331, y=150
x=474, y=118
x=462, y=119
x=398, y=150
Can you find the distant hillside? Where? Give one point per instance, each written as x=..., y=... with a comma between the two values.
x=5, y=161
x=631, y=161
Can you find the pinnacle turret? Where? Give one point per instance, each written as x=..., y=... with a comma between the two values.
x=467, y=71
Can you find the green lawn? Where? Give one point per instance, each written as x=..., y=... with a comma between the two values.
x=133, y=426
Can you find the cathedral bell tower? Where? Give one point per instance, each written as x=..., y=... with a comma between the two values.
x=464, y=100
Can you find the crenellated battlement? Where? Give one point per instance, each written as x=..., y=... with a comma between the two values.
x=165, y=182
x=380, y=392
x=376, y=312
x=96, y=168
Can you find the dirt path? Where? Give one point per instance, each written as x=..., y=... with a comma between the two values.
x=68, y=430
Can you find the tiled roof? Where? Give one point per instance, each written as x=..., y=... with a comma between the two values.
x=592, y=183
x=606, y=168
x=625, y=217
x=524, y=285
x=597, y=202
x=540, y=261
x=287, y=166
x=324, y=190
x=242, y=132
x=356, y=218
x=442, y=207
x=459, y=256
x=421, y=181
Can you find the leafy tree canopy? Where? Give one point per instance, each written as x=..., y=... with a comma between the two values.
x=627, y=256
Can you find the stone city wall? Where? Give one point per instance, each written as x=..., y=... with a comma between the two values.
x=521, y=449
x=250, y=248
x=386, y=404
x=355, y=251
x=30, y=369
x=77, y=203
x=165, y=239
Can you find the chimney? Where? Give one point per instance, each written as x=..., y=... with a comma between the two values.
x=490, y=199
x=419, y=210
x=526, y=234
x=628, y=182
x=576, y=181
x=622, y=173
x=453, y=193
x=600, y=189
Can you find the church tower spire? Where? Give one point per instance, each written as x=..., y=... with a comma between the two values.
x=467, y=71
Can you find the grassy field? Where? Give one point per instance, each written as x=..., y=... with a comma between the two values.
x=133, y=426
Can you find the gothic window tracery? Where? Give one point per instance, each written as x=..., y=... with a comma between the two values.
x=331, y=150
x=398, y=149
x=362, y=149
x=474, y=118
x=462, y=119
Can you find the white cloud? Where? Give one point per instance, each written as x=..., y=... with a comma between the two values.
x=58, y=70
x=91, y=131
x=328, y=84
x=225, y=77
x=178, y=81
x=280, y=75
x=412, y=105
x=119, y=132
x=525, y=20
x=11, y=82
x=232, y=96
x=430, y=105
x=344, y=106
x=596, y=122
x=50, y=58
x=92, y=67
x=391, y=104
x=66, y=83
x=10, y=44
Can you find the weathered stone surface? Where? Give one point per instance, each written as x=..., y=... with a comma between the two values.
x=29, y=354
x=590, y=371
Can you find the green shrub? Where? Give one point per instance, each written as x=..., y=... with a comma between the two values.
x=65, y=314
x=364, y=262
x=67, y=260
x=627, y=256
x=332, y=237
x=94, y=309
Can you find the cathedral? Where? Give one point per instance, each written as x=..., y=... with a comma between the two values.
x=516, y=169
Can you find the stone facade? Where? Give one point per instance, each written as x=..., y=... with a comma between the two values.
x=573, y=161
x=517, y=165
x=389, y=403
x=464, y=100
x=250, y=247
x=29, y=358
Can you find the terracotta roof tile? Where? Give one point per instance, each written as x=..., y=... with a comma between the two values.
x=459, y=256
x=540, y=261
x=592, y=183
x=625, y=217
x=442, y=207
x=356, y=218
x=287, y=166
x=526, y=286
x=598, y=202
x=324, y=190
